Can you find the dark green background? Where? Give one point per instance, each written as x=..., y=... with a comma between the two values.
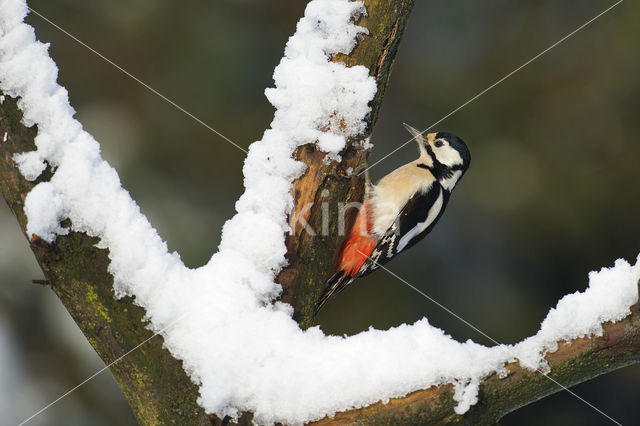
x=551, y=193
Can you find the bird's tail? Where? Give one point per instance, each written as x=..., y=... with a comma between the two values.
x=354, y=252
x=338, y=282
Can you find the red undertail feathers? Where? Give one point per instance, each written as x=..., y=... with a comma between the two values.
x=354, y=252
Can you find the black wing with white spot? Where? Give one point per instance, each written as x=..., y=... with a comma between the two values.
x=415, y=221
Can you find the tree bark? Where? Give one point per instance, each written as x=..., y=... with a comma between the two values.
x=154, y=383
x=312, y=255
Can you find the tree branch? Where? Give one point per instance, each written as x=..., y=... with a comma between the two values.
x=154, y=382
x=311, y=257
x=574, y=362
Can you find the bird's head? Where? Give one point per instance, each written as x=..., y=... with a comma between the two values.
x=443, y=153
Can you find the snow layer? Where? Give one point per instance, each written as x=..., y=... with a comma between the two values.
x=243, y=349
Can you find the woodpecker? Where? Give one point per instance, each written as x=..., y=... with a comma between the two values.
x=401, y=209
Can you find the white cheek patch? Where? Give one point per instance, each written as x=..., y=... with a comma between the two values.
x=421, y=226
x=448, y=156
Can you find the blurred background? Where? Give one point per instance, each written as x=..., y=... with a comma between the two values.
x=551, y=193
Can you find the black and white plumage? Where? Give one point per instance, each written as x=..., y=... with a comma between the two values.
x=401, y=209
x=415, y=221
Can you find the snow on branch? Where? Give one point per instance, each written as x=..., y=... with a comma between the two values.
x=229, y=302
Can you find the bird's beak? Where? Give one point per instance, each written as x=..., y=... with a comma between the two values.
x=417, y=135
x=419, y=138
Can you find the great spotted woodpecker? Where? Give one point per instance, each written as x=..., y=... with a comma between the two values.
x=401, y=209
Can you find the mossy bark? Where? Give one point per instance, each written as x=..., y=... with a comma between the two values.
x=154, y=383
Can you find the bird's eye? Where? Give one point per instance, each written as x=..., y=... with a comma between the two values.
x=438, y=143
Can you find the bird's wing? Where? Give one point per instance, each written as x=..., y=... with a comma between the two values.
x=414, y=222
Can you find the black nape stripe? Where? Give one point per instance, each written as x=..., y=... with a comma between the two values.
x=439, y=170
